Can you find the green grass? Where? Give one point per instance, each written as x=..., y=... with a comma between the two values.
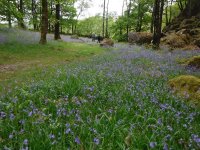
x=117, y=100
x=27, y=56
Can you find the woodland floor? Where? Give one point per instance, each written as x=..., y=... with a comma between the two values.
x=87, y=97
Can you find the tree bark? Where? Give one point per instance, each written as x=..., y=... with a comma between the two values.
x=107, y=20
x=157, y=22
x=9, y=16
x=44, y=22
x=139, y=19
x=128, y=20
x=103, y=26
x=34, y=15
x=57, y=24
x=21, y=18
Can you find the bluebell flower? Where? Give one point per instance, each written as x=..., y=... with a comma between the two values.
x=96, y=141
x=152, y=144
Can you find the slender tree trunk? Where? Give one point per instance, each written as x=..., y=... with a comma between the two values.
x=9, y=21
x=9, y=16
x=189, y=8
x=72, y=28
x=166, y=14
x=103, y=26
x=51, y=12
x=170, y=12
x=152, y=19
x=21, y=18
x=57, y=24
x=107, y=19
x=139, y=19
x=128, y=19
x=34, y=15
x=44, y=22
x=157, y=22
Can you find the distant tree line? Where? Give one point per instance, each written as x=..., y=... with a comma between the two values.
x=61, y=15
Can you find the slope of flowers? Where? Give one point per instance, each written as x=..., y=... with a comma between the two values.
x=116, y=101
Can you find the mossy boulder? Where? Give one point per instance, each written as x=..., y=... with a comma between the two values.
x=194, y=62
x=176, y=40
x=140, y=37
x=107, y=42
x=187, y=86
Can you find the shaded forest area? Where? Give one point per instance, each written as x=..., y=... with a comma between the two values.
x=157, y=18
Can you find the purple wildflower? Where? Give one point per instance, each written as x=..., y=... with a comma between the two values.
x=68, y=131
x=2, y=114
x=159, y=121
x=51, y=136
x=12, y=116
x=96, y=141
x=25, y=142
x=77, y=140
x=152, y=144
x=165, y=147
x=67, y=125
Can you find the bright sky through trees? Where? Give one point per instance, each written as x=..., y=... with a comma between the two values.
x=96, y=7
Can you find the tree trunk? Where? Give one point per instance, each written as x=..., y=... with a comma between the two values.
x=57, y=24
x=128, y=19
x=34, y=15
x=139, y=19
x=166, y=14
x=152, y=19
x=157, y=22
x=103, y=26
x=9, y=16
x=44, y=22
x=107, y=20
x=51, y=12
x=21, y=18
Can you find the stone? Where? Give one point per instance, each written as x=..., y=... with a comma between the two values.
x=140, y=37
x=107, y=42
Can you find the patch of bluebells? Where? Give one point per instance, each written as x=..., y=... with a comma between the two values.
x=97, y=102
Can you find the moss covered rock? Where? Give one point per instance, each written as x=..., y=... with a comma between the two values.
x=176, y=40
x=187, y=86
x=194, y=62
x=140, y=37
x=107, y=42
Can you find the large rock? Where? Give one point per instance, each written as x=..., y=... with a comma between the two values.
x=194, y=62
x=176, y=40
x=140, y=37
x=107, y=42
x=187, y=86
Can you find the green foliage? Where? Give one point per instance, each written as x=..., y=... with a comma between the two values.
x=93, y=25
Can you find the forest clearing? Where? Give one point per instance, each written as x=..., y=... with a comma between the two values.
x=101, y=89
